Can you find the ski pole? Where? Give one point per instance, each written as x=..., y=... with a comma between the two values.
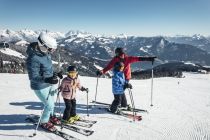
x=132, y=102
x=34, y=134
x=59, y=104
x=152, y=85
x=132, y=99
x=96, y=90
x=87, y=103
x=59, y=82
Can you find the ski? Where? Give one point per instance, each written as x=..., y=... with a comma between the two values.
x=124, y=114
x=57, y=132
x=135, y=110
x=131, y=116
x=78, y=123
x=96, y=102
x=78, y=130
x=82, y=131
x=87, y=121
x=81, y=122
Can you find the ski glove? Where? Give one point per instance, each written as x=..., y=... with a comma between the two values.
x=59, y=74
x=51, y=80
x=98, y=73
x=128, y=85
x=147, y=58
x=84, y=89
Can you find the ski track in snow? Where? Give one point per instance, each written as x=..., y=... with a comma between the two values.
x=180, y=112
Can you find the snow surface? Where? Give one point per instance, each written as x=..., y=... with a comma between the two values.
x=181, y=110
x=22, y=43
x=8, y=51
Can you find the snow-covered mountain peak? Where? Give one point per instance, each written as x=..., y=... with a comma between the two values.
x=83, y=35
x=26, y=35
x=57, y=35
x=77, y=33
x=122, y=36
x=27, y=32
x=198, y=36
x=8, y=35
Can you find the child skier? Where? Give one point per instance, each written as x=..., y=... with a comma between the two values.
x=68, y=89
x=118, y=85
x=121, y=56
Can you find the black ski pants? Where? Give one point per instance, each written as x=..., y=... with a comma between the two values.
x=119, y=101
x=70, y=109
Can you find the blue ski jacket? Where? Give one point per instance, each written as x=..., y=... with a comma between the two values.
x=118, y=81
x=39, y=67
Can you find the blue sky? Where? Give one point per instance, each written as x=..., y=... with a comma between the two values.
x=109, y=17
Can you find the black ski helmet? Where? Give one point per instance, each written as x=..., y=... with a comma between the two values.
x=119, y=51
x=72, y=68
x=118, y=65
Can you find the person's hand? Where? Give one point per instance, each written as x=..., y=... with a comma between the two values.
x=152, y=58
x=84, y=89
x=59, y=74
x=99, y=73
x=51, y=80
x=60, y=89
x=128, y=85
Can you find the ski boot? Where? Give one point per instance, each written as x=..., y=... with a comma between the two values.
x=129, y=107
x=71, y=120
x=55, y=120
x=118, y=111
x=48, y=126
x=76, y=117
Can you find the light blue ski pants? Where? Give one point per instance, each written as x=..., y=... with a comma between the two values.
x=46, y=95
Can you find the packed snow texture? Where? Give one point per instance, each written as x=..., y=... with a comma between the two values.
x=181, y=109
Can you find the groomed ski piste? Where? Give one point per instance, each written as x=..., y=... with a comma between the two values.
x=180, y=111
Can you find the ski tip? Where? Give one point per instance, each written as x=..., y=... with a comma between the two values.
x=93, y=101
x=91, y=132
x=34, y=134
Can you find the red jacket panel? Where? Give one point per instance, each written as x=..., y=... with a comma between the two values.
x=127, y=61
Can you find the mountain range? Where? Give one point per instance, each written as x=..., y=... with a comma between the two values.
x=91, y=52
x=195, y=40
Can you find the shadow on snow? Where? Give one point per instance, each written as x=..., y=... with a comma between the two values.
x=14, y=122
x=80, y=108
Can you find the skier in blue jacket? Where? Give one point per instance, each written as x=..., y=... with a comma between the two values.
x=42, y=78
x=118, y=85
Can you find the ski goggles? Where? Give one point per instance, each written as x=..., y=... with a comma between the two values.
x=72, y=74
x=45, y=49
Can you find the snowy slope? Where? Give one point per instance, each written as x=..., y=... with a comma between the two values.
x=181, y=110
x=12, y=52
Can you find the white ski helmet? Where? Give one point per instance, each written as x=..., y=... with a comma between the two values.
x=46, y=42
